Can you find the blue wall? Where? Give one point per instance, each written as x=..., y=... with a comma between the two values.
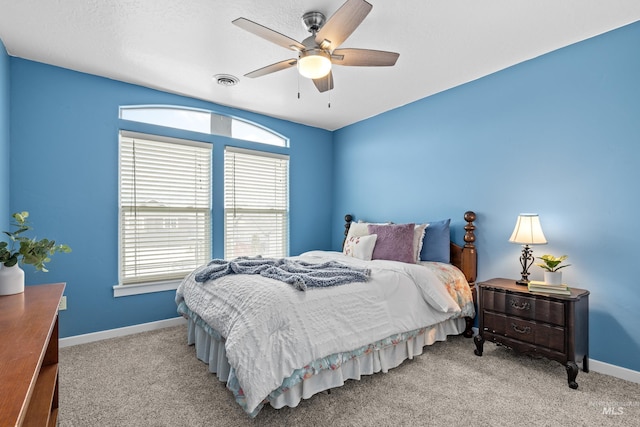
x=558, y=135
x=64, y=163
x=4, y=138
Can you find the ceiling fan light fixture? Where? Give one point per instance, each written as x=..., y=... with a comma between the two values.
x=314, y=64
x=317, y=52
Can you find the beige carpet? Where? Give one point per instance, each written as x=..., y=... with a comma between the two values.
x=154, y=379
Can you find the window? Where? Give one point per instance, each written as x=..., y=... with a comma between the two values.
x=203, y=122
x=165, y=207
x=256, y=203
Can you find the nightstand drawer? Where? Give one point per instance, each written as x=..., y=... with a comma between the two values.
x=539, y=309
x=540, y=334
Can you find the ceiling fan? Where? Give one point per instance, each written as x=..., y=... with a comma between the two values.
x=319, y=51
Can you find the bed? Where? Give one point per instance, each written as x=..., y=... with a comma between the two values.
x=276, y=341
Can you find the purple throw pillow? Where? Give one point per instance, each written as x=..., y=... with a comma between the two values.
x=394, y=243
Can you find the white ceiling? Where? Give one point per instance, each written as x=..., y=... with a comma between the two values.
x=178, y=46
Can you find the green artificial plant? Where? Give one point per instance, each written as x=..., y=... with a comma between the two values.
x=551, y=263
x=26, y=250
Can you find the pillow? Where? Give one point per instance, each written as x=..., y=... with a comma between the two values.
x=357, y=229
x=435, y=246
x=394, y=242
x=360, y=228
x=418, y=238
x=360, y=246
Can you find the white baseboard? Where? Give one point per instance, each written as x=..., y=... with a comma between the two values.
x=605, y=368
x=614, y=371
x=594, y=365
x=120, y=332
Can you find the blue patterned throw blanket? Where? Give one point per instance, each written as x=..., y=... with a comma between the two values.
x=299, y=274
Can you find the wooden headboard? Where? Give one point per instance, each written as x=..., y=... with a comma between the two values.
x=464, y=257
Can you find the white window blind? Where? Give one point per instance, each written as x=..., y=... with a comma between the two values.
x=256, y=203
x=165, y=207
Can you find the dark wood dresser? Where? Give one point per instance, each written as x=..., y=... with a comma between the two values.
x=29, y=356
x=549, y=325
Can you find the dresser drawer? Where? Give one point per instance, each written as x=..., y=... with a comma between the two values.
x=540, y=334
x=528, y=307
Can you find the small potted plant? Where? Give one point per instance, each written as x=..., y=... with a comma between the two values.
x=25, y=250
x=551, y=265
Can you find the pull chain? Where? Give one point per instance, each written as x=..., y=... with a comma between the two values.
x=298, y=67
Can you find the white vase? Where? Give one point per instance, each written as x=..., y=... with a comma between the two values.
x=11, y=280
x=553, y=277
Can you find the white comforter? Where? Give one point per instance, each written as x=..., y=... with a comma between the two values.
x=271, y=328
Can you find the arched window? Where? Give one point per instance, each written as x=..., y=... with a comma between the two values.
x=202, y=121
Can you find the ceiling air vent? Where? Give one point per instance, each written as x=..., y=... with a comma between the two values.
x=226, y=79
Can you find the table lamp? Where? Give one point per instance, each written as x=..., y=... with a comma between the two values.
x=527, y=232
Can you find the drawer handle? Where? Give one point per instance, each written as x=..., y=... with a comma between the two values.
x=525, y=330
x=520, y=305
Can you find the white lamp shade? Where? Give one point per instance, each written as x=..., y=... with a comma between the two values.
x=314, y=64
x=528, y=230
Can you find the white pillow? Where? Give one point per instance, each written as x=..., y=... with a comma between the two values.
x=418, y=239
x=358, y=229
x=360, y=246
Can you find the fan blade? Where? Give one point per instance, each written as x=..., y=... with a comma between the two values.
x=343, y=23
x=364, y=57
x=324, y=83
x=268, y=34
x=278, y=66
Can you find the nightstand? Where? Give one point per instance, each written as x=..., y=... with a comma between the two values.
x=549, y=325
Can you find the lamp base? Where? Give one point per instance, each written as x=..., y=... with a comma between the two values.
x=526, y=260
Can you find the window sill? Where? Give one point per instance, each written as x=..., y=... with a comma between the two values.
x=145, y=288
